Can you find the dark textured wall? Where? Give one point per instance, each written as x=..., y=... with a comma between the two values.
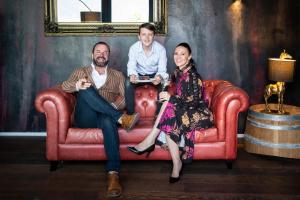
x=229, y=41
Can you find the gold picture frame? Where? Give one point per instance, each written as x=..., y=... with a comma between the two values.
x=54, y=28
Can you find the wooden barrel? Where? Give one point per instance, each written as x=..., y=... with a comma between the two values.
x=273, y=134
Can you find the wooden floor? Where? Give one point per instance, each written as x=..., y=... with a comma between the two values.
x=24, y=174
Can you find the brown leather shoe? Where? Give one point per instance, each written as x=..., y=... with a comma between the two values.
x=114, y=188
x=128, y=121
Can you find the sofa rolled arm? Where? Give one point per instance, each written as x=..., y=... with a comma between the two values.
x=58, y=107
x=226, y=104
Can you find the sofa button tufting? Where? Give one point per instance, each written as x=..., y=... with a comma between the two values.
x=145, y=104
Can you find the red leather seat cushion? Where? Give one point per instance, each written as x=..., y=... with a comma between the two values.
x=95, y=136
x=136, y=135
x=207, y=135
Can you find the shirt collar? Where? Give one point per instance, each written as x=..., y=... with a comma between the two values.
x=94, y=69
x=141, y=50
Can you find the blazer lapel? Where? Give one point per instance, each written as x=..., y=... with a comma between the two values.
x=109, y=76
x=88, y=72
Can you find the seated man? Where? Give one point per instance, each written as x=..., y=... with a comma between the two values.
x=100, y=97
x=147, y=60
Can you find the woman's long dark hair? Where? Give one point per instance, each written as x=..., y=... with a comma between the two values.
x=194, y=75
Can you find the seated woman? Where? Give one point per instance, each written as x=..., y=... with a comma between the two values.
x=181, y=114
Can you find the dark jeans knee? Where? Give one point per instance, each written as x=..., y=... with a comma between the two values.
x=82, y=93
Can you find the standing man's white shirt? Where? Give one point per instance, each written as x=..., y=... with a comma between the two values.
x=154, y=63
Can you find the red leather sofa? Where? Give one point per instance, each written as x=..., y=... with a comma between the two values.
x=64, y=142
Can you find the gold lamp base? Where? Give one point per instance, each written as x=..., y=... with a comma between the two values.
x=277, y=89
x=274, y=112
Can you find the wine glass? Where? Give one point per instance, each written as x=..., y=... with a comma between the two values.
x=165, y=83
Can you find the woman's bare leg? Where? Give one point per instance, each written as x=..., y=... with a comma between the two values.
x=174, y=151
x=150, y=139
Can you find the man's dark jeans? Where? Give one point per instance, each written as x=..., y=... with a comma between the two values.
x=130, y=94
x=93, y=111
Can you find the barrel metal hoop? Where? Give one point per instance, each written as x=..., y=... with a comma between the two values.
x=273, y=117
x=273, y=127
x=256, y=141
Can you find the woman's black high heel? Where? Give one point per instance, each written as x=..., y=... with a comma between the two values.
x=148, y=150
x=176, y=179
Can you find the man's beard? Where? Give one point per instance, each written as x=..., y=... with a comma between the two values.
x=100, y=63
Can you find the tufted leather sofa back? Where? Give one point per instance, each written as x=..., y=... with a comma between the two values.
x=146, y=97
x=145, y=101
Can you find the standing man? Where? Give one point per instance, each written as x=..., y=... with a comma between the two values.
x=147, y=60
x=100, y=97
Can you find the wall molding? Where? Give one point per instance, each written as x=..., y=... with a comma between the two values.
x=43, y=134
x=22, y=134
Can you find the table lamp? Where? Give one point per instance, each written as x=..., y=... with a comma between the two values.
x=280, y=70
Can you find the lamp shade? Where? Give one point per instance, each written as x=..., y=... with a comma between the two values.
x=281, y=70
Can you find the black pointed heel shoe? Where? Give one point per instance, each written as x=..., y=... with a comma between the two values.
x=148, y=150
x=173, y=179
x=176, y=179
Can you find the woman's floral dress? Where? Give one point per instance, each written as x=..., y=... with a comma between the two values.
x=186, y=111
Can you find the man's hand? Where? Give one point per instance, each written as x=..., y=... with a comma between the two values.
x=133, y=78
x=157, y=80
x=82, y=84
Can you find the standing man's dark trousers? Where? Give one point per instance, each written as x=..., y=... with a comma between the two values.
x=93, y=111
x=130, y=94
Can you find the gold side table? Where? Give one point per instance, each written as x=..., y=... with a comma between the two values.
x=273, y=134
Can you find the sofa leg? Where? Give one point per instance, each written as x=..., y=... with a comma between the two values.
x=54, y=165
x=229, y=164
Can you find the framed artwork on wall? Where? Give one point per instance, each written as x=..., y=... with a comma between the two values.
x=103, y=17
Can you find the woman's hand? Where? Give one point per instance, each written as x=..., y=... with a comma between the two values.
x=164, y=96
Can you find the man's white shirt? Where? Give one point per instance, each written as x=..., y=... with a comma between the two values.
x=99, y=79
x=154, y=63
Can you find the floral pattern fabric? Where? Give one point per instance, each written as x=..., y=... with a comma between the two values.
x=186, y=111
